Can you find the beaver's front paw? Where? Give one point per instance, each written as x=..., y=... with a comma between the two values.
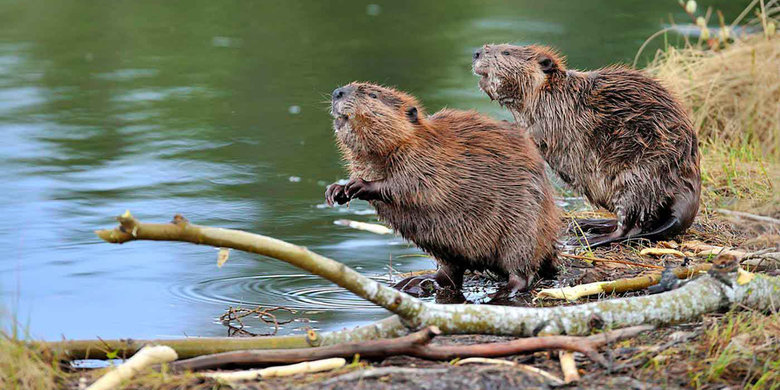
x=336, y=194
x=361, y=189
x=419, y=286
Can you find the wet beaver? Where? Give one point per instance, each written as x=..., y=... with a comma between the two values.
x=469, y=190
x=613, y=134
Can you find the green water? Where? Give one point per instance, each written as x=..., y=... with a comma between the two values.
x=218, y=111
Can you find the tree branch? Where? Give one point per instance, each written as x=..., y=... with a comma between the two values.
x=703, y=295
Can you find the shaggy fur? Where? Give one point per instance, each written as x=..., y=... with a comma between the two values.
x=613, y=134
x=469, y=190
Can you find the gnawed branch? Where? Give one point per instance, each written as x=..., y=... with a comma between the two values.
x=703, y=295
x=617, y=286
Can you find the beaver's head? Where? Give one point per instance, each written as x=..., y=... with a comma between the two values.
x=371, y=120
x=512, y=74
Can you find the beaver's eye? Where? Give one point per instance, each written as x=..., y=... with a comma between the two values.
x=372, y=95
x=505, y=52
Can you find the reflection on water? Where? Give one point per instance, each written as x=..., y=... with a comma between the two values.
x=218, y=111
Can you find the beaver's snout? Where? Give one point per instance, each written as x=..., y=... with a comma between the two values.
x=342, y=92
x=477, y=61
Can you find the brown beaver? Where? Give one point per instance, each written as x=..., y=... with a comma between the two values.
x=613, y=134
x=469, y=190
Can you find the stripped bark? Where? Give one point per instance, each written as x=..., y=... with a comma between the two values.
x=703, y=295
x=617, y=286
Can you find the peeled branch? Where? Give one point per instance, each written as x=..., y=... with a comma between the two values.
x=569, y=367
x=554, y=380
x=146, y=357
x=369, y=227
x=574, y=293
x=270, y=372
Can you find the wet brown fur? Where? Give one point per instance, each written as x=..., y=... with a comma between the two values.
x=614, y=134
x=469, y=190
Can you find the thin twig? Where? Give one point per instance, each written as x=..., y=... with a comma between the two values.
x=600, y=260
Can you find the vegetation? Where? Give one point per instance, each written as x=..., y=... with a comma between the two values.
x=730, y=83
x=739, y=348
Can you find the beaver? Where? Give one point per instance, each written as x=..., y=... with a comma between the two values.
x=614, y=134
x=469, y=190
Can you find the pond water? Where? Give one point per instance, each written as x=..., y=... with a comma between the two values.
x=219, y=111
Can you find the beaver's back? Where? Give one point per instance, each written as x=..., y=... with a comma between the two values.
x=493, y=206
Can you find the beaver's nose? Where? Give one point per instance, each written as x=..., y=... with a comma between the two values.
x=478, y=54
x=341, y=92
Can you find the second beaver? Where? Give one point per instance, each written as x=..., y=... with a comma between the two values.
x=613, y=134
x=469, y=190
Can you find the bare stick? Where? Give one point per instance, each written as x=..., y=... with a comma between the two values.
x=277, y=371
x=380, y=372
x=617, y=286
x=740, y=214
x=616, y=261
x=146, y=357
x=569, y=367
x=554, y=380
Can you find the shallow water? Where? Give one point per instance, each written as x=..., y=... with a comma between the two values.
x=218, y=111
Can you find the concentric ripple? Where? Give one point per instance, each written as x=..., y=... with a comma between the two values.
x=296, y=291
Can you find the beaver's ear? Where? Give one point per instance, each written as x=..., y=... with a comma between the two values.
x=547, y=64
x=411, y=114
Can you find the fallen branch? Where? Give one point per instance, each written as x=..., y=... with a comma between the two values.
x=369, y=227
x=661, y=252
x=703, y=295
x=380, y=372
x=617, y=286
x=616, y=261
x=768, y=258
x=416, y=345
x=568, y=367
x=146, y=357
x=754, y=217
x=270, y=372
x=554, y=380
x=196, y=346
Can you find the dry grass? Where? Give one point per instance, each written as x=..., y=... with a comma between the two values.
x=739, y=349
x=733, y=94
x=22, y=367
x=738, y=178
x=732, y=90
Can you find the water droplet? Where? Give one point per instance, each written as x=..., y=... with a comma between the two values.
x=294, y=110
x=373, y=10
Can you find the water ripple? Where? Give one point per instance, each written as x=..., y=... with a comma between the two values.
x=295, y=291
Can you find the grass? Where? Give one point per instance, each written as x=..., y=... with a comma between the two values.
x=733, y=94
x=23, y=367
x=732, y=91
x=739, y=178
x=731, y=88
x=738, y=349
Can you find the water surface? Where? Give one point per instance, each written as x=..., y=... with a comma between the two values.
x=218, y=111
